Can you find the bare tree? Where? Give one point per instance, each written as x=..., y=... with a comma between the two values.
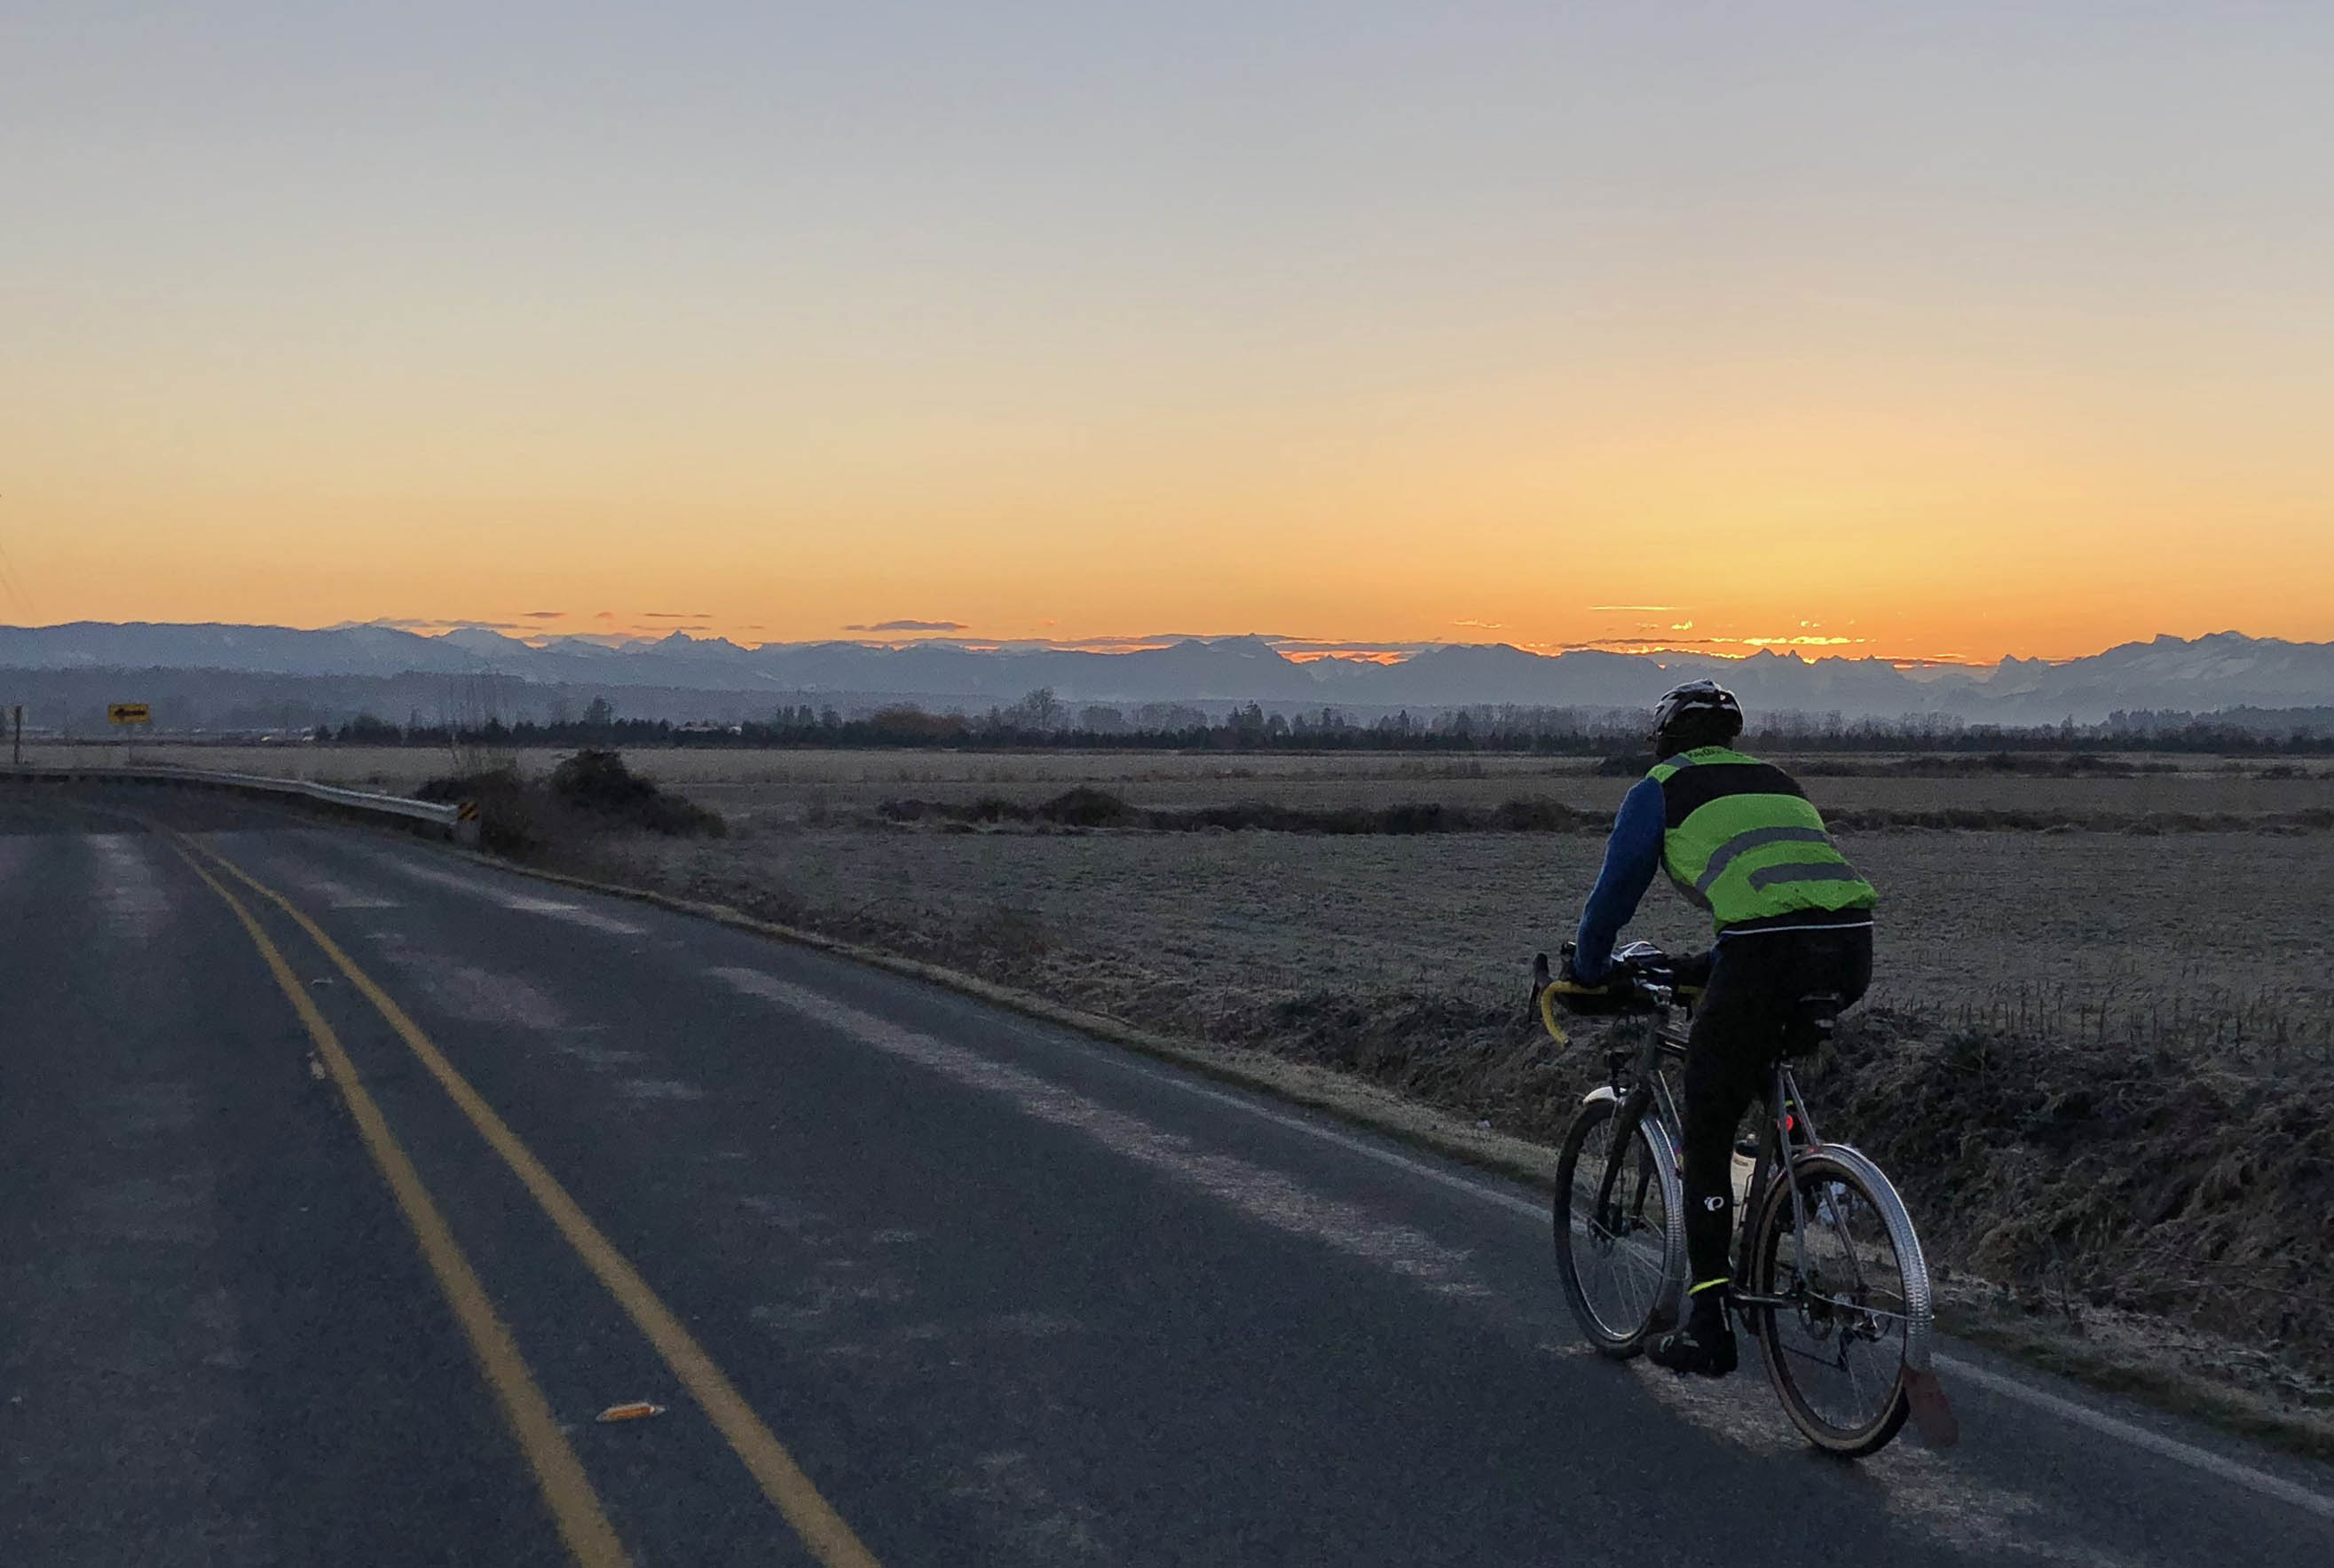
x=1041, y=711
x=477, y=732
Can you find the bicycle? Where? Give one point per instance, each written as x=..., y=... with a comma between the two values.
x=1828, y=1272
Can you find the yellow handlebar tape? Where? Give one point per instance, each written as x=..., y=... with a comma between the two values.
x=1547, y=996
x=1547, y=1004
x=1547, y=1013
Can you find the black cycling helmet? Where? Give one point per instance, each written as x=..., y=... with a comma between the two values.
x=1701, y=708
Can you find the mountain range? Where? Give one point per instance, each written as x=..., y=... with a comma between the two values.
x=2206, y=674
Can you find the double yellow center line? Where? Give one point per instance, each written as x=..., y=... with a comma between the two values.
x=567, y=1491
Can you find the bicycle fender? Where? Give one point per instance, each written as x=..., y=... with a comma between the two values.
x=1613, y=1096
x=1933, y=1413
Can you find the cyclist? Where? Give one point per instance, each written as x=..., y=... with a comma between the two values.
x=1738, y=838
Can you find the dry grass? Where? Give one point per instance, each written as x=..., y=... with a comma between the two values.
x=2111, y=1176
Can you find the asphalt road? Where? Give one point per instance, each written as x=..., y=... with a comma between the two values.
x=348, y=1279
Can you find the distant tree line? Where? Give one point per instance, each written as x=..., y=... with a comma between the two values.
x=1040, y=719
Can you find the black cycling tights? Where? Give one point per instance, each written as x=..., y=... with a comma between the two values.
x=1755, y=983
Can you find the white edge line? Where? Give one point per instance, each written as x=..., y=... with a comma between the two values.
x=2138, y=1437
x=1466, y=1185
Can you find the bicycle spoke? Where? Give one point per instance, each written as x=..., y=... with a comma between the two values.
x=1854, y=1384
x=1831, y=1363
x=1614, y=1224
x=1838, y=1204
x=1835, y=1315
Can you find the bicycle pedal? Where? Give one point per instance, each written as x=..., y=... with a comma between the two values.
x=1682, y=1353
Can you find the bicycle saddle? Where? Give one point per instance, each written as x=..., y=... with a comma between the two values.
x=1813, y=1018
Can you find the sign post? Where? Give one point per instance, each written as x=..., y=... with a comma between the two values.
x=126, y=716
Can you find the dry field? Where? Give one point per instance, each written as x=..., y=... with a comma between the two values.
x=888, y=770
x=2227, y=921
x=780, y=788
x=2153, y=926
x=1981, y=920
x=2231, y=921
x=1569, y=782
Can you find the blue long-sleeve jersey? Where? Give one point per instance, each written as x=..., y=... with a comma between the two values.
x=1632, y=855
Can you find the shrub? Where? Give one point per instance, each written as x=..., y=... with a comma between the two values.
x=1087, y=808
x=1419, y=817
x=588, y=794
x=598, y=783
x=510, y=816
x=1544, y=816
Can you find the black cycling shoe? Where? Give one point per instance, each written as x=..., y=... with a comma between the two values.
x=1700, y=1347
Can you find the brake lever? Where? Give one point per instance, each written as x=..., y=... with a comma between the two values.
x=1542, y=1004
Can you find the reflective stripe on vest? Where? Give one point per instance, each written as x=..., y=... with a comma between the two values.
x=1741, y=841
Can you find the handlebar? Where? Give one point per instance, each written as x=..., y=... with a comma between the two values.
x=1644, y=979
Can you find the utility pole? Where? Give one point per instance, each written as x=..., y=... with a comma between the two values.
x=19, y=753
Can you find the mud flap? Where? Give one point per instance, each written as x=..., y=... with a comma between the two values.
x=1931, y=1412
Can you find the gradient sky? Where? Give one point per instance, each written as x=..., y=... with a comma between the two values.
x=1947, y=330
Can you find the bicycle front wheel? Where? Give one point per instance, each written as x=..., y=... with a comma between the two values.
x=1850, y=1271
x=1620, y=1246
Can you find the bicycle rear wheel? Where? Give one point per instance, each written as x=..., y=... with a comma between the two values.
x=1620, y=1264
x=1859, y=1291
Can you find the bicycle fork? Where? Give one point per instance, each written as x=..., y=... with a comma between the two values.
x=1625, y=1123
x=1646, y=1105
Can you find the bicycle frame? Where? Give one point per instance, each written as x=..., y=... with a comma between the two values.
x=1788, y=1130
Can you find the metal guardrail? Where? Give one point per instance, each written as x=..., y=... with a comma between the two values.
x=458, y=819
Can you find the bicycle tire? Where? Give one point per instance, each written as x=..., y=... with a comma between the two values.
x=1632, y=1268
x=1838, y=1360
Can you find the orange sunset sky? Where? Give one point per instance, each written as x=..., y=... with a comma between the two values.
x=1953, y=335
